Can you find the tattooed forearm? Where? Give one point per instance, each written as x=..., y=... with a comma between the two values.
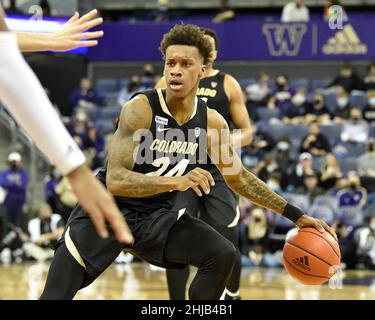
x=254, y=189
x=133, y=184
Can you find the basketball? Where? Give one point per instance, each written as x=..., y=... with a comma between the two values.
x=311, y=257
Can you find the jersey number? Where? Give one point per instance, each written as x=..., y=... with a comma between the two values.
x=163, y=164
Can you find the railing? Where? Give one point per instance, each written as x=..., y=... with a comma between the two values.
x=18, y=135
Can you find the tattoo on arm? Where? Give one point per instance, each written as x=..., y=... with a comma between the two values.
x=254, y=189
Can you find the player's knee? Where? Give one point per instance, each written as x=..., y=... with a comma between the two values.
x=226, y=255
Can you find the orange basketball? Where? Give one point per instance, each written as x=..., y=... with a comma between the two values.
x=311, y=257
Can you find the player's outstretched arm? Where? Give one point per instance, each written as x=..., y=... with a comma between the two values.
x=3, y=26
x=24, y=97
x=247, y=184
x=72, y=35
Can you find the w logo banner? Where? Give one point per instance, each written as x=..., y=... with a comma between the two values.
x=284, y=39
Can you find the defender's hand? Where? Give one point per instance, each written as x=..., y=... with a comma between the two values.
x=197, y=179
x=73, y=34
x=307, y=221
x=99, y=204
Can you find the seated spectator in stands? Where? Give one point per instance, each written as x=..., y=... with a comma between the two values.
x=341, y=114
x=94, y=148
x=254, y=240
x=261, y=143
x=303, y=167
x=133, y=86
x=351, y=200
x=310, y=187
x=369, y=111
x=225, y=12
x=369, y=79
x=294, y=114
x=317, y=110
x=274, y=181
x=50, y=183
x=12, y=8
x=356, y=130
x=330, y=172
x=285, y=159
x=295, y=11
x=282, y=96
x=366, y=166
x=85, y=96
x=259, y=92
x=360, y=252
x=347, y=80
x=161, y=13
x=79, y=127
x=344, y=232
x=267, y=167
x=149, y=77
x=315, y=142
x=67, y=199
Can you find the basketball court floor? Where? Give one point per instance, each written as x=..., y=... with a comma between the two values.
x=137, y=281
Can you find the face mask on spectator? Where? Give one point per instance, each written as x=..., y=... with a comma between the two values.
x=342, y=102
x=371, y=101
x=298, y=99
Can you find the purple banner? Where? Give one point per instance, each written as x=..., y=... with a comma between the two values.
x=249, y=39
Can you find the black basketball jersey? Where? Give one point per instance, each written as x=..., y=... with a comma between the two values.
x=168, y=149
x=211, y=90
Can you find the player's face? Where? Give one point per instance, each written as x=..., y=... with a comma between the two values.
x=183, y=69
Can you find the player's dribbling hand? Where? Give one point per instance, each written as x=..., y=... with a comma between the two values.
x=197, y=179
x=99, y=204
x=307, y=221
x=73, y=35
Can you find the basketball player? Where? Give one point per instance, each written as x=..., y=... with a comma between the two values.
x=219, y=208
x=26, y=100
x=154, y=153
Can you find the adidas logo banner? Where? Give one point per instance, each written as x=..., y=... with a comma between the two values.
x=345, y=41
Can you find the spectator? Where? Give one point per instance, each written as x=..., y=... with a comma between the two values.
x=295, y=11
x=50, y=183
x=161, y=14
x=303, y=167
x=13, y=8
x=79, y=128
x=133, y=86
x=369, y=79
x=310, y=187
x=330, y=172
x=15, y=181
x=356, y=130
x=259, y=92
x=351, y=201
x=315, y=142
x=267, y=167
x=285, y=160
x=369, y=111
x=94, y=148
x=261, y=143
x=341, y=114
x=344, y=232
x=225, y=12
x=67, y=198
x=85, y=96
x=149, y=77
x=346, y=80
x=366, y=166
x=254, y=240
x=294, y=114
x=283, y=94
x=317, y=110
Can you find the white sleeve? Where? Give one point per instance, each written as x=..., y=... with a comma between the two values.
x=24, y=97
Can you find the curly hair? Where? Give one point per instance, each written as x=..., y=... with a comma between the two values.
x=189, y=35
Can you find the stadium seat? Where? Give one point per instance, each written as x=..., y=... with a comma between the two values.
x=93, y=112
x=265, y=114
x=326, y=200
x=319, y=84
x=110, y=113
x=278, y=131
x=348, y=164
x=332, y=132
x=297, y=83
x=331, y=101
x=322, y=212
x=105, y=126
x=351, y=215
x=372, y=131
x=107, y=86
x=318, y=163
x=358, y=99
x=298, y=200
x=354, y=149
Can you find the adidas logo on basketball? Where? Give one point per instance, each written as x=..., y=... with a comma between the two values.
x=345, y=42
x=302, y=262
